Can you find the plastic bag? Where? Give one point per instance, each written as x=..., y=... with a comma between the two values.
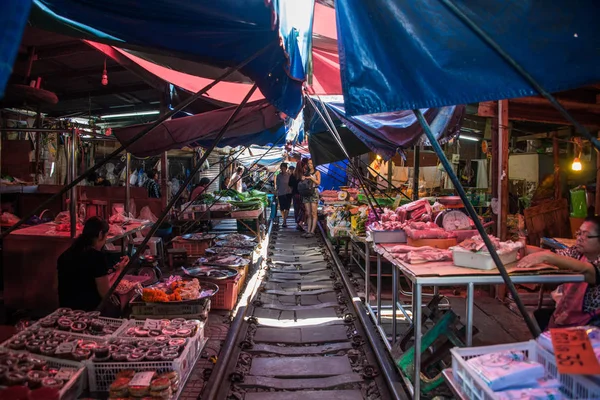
x=147, y=215
x=132, y=208
x=133, y=178
x=8, y=219
x=115, y=230
x=557, y=294
x=63, y=217
x=110, y=174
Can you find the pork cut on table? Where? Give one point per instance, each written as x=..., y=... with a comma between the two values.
x=425, y=256
x=403, y=249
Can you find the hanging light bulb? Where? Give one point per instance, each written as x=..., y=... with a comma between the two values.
x=104, y=75
x=576, y=166
x=378, y=157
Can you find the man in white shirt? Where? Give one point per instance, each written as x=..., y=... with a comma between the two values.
x=235, y=182
x=284, y=192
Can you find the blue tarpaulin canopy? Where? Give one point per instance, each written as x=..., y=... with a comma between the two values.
x=220, y=33
x=383, y=133
x=256, y=155
x=333, y=175
x=406, y=54
x=13, y=15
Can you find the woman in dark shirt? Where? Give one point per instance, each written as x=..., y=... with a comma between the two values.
x=83, y=271
x=299, y=211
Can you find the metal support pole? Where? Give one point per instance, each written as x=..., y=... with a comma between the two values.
x=134, y=139
x=517, y=67
x=417, y=319
x=394, y=302
x=367, y=273
x=379, y=290
x=40, y=130
x=416, y=171
x=72, y=175
x=533, y=328
x=470, y=300
x=127, y=184
x=176, y=197
x=390, y=172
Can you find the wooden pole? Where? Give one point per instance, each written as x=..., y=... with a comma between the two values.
x=555, y=152
x=416, y=171
x=164, y=177
x=503, y=137
x=597, y=202
x=495, y=170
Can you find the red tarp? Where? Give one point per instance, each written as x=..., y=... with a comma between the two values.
x=326, y=65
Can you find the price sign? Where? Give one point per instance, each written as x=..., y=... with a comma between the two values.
x=142, y=379
x=573, y=352
x=65, y=373
x=151, y=324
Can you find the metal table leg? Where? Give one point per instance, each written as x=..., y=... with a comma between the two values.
x=470, y=298
x=378, y=289
x=394, y=301
x=417, y=314
x=367, y=274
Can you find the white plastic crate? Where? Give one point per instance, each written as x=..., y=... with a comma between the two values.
x=480, y=260
x=398, y=236
x=74, y=386
x=474, y=388
x=119, y=324
x=197, y=340
x=187, y=310
x=101, y=375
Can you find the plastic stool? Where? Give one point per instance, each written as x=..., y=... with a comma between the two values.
x=177, y=258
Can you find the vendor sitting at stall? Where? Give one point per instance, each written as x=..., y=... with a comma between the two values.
x=198, y=190
x=83, y=270
x=579, y=303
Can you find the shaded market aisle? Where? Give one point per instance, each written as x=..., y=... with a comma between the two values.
x=300, y=339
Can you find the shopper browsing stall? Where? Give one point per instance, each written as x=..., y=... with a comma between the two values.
x=153, y=186
x=236, y=180
x=83, y=270
x=299, y=212
x=201, y=188
x=579, y=303
x=308, y=188
x=283, y=190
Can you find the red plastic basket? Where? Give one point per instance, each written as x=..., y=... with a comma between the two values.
x=229, y=289
x=194, y=248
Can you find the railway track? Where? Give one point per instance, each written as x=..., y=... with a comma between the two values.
x=301, y=336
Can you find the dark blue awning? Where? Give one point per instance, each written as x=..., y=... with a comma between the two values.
x=384, y=134
x=219, y=33
x=406, y=54
x=13, y=15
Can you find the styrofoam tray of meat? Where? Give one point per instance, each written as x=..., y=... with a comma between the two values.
x=481, y=259
x=398, y=236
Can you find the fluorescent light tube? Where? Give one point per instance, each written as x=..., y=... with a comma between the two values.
x=474, y=139
x=131, y=114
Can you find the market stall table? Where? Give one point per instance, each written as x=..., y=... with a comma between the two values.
x=29, y=265
x=445, y=273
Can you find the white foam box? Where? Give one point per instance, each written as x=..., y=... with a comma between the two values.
x=398, y=236
x=481, y=259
